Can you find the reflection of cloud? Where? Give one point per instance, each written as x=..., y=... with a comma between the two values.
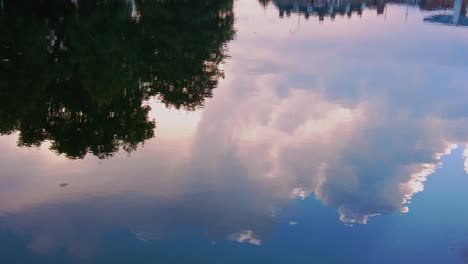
x=246, y=236
x=465, y=155
x=400, y=121
x=298, y=193
x=364, y=159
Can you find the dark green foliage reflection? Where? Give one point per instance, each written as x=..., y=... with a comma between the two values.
x=78, y=73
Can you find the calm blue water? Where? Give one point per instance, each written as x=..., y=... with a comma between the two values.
x=272, y=131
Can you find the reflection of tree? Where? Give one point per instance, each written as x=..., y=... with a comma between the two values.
x=79, y=77
x=188, y=49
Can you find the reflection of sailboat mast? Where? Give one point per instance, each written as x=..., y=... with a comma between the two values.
x=298, y=21
x=298, y=18
x=385, y=12
x=406, y=17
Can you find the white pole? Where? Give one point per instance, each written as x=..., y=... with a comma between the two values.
x=457, y=10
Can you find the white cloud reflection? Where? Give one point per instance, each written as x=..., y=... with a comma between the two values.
x=246, y=236
x=465, y=155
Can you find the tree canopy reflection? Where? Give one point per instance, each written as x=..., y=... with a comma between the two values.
x=78, y=73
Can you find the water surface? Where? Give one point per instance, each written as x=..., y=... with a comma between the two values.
x=233, y=131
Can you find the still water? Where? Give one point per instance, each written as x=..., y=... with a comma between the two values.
x=221, y=131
